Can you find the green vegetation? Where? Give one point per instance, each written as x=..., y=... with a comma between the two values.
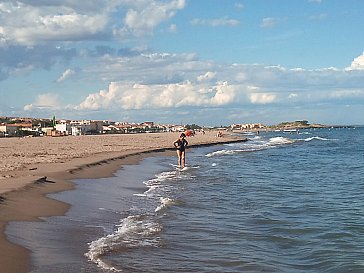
x=5, y=120
x=42, y=122
x=193, y=127
x=35, y=121
x=298, y=124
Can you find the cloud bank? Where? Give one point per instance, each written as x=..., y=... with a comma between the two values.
x=205, y=84
x=172, y=82
x=46, y=100
x=140, y=96
x=35, y=22
x=41, y=34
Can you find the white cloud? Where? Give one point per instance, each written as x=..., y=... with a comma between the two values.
x=40, y=34
x=143, y=20
x=262, y=98
x=46, y=100
x=224, y=95
x=357, y=63
x=252, y=84
x=148, y=67
x=269, y=22
x=141, y=96
x=34, y=22
x=65, y=75
x=207, y=76
x=292, y=95
x=224, y=21
x=71, y=27
x=315, y=1
x=29, y=25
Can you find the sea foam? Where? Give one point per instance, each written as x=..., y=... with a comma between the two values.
x=253, y=145
x=165, y=203
x=280, y=141
x=139, y=230
x=316, y=138
x=134, y=231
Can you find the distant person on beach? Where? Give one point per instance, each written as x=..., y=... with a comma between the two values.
x=181, y=144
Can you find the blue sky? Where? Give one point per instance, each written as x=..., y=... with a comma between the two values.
x=209, y=62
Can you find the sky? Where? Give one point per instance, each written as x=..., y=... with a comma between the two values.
x=209, y=62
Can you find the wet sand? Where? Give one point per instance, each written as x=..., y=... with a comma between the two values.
x=30, y=168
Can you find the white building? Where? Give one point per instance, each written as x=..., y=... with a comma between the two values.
x=15, y=129
x=9, y=129
x=78, y=130
x=247, y=126
x=79, y=127
x=177, y=128
x=64, y=128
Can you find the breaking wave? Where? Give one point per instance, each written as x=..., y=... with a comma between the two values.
x=316, y=138
x=252, y=145
x=133, y=231
x=139, y=230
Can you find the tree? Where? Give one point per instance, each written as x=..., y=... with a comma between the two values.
x=54, y=122
x=193, y=127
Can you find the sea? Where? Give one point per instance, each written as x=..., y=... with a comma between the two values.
x=279, y=202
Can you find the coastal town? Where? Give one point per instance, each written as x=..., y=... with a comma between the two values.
x=31, y=127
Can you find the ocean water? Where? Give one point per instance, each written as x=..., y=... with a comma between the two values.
x=279, y=202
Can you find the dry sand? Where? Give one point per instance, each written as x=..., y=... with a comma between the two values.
x=25, y=162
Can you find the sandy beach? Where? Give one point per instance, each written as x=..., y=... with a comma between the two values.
x=32, y=167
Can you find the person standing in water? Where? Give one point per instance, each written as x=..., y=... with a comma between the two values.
x=181, y=144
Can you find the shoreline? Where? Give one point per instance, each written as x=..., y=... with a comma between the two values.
x=23, y=195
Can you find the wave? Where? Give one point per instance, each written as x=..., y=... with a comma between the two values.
x=316, y=138
x=231, y=152
x=253, y=145
x=222, y=152
x=133, y=231
x=165, y=203
x=258, y=144
x=140, y=229
x=280, y=141
x=154, y=184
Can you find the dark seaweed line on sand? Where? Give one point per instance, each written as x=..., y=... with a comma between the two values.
x=2, y=199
